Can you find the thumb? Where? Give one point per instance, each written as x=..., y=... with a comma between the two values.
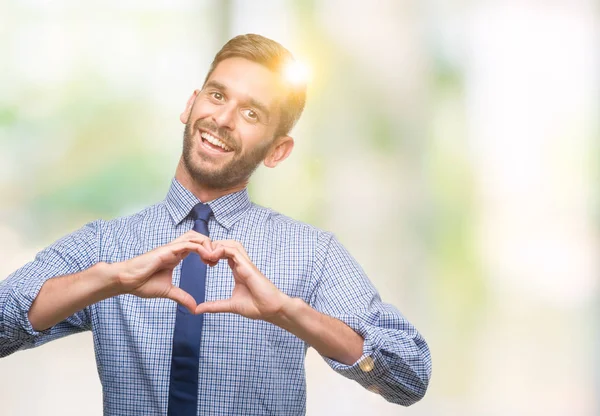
x=182, y=297
x=215, y=306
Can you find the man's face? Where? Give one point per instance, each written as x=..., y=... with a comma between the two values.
x=231, y=123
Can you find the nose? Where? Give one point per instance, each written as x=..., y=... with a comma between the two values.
x=224, y=116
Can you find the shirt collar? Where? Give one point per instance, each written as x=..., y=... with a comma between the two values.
x=227, y=209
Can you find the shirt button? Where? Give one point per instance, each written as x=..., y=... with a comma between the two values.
x=374, y=389
x=366, y=364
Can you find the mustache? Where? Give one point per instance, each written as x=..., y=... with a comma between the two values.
x=220, y=132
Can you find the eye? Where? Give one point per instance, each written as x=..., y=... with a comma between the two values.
x=217, y=95
x=250, y=114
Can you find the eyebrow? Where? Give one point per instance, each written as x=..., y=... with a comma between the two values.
x=253, y=102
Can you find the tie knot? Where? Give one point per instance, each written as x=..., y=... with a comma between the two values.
x=201, y=212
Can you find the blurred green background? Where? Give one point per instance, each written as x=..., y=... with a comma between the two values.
x=452, y=146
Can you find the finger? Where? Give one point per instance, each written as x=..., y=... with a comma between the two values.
x=216, y=306
x=207, y=243
x=184, y=237
x=233, y=244
x=170, y=257
x=172, y=254
x=183, y=298
x=209, y=256
x=166, y=256
x=192, y=236
x=235, y=258
x=220, y=251
x=183, y=247
x=232, y=250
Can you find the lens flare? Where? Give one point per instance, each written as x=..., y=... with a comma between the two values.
x=297, y=73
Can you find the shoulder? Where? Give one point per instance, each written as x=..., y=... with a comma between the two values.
x=153, y=215
x=286, y=226
x=133, y=234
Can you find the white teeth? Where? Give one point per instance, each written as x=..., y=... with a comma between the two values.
x=213, y=140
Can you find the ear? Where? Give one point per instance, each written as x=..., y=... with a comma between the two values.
x=185, y=116
x=281, y=149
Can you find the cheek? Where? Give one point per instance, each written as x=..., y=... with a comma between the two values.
x=201, y=109
x=256, y=141
x=250, y=136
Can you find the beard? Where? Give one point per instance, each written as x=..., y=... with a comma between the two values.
x=233, y=172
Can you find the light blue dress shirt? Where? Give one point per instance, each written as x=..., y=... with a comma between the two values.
x=247, y=367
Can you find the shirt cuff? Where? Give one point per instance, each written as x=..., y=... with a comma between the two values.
x=16, y=314
x=371, y=366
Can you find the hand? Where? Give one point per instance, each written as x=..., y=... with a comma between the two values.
x=150, y=275
x=254, y=296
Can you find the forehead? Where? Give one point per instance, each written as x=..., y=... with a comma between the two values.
x=247, y=80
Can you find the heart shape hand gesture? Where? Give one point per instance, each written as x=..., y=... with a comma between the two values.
x=150, y=276
x=254, y=295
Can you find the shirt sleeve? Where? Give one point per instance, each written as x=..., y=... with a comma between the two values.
x=71, y=254
x=396, y=362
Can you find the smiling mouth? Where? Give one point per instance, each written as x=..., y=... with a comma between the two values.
x=213, y=143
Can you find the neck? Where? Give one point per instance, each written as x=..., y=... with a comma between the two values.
x=202, y=192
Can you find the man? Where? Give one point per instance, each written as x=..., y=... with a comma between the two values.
x=236, y=343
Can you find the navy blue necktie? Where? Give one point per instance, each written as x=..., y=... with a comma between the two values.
x=183, y=388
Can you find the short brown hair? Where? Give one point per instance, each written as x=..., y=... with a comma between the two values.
x=267, y=52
